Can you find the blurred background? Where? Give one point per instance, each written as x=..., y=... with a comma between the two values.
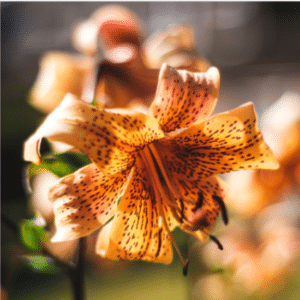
x=256, y=47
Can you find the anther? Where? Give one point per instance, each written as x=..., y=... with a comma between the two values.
x=223, y=208
x=185, y=267
x=214, y=239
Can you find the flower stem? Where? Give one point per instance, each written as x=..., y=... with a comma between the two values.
x=77, y=274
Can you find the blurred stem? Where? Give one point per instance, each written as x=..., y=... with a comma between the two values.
x=77, y=274
x=9, y=224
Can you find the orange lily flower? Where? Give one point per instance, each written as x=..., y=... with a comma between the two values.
x=122, y=73
x=111, y=26
x=163, y=165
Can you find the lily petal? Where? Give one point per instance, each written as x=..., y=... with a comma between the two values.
x=59, y=73
x=208, y=196
x=136, y=232
x=183, y=97
x=84, y=201
x=108, y=137
x=113, y=25
x=118, y=25
x=226, y=142
x=176, y=47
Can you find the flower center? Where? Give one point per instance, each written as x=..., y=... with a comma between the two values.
x=168, y=191
x=165, y=191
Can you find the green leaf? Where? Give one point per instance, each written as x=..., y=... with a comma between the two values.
x=60, y=164
x=41, y=264
x=32, y=236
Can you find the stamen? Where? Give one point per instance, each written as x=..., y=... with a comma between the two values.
x=185, y=267
x=170, y=184
x=223, y=208
x=160, y=195
x=185, y=263
x=187, y=226
x=159, y=221
x=155, y=169
x=166, y=226
x=214, y=239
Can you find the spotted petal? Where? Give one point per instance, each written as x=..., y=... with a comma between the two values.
x=206, y=199
x=84, y=201
x=183, y=97
x=109, y=137
x=136, y=232
x=226, y=142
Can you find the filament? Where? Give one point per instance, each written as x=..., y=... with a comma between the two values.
x=160, y=195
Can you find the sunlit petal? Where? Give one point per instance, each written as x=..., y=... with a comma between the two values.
x=108, y=137
x=183, y=97
x=226, y=142
x=136, y=231
x=85, y=200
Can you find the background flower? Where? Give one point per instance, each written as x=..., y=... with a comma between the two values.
x=262, y=244
x=60, y=73
x=255, y=190
x=119, y=67
x=259, y=256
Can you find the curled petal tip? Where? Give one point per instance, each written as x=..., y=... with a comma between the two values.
x=214, y=76
x=275, y=165
x=194, y=94
x=56, y=239
x=163, y=70
x=64, y=235
x=31, y=150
